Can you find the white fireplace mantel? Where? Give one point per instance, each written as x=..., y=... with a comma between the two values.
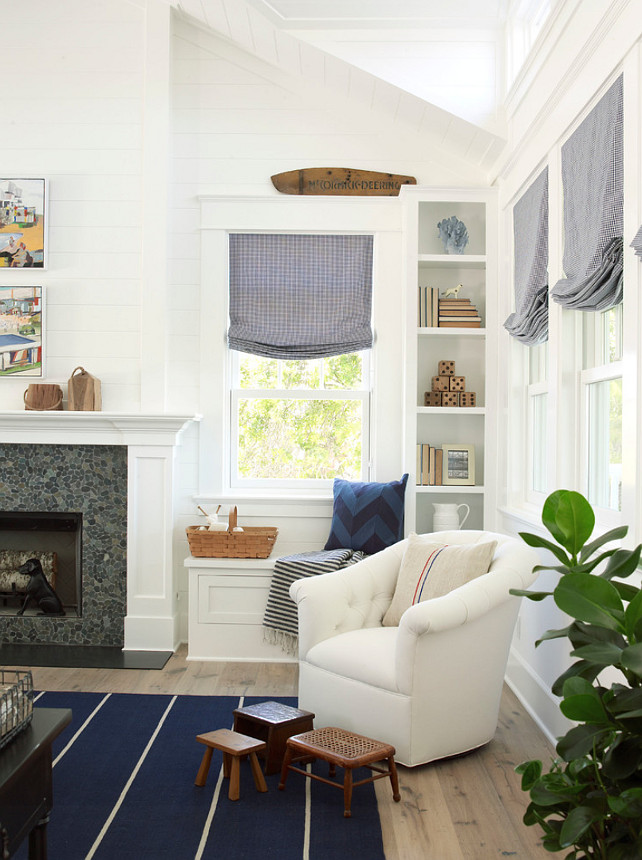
x=151, y=622
x=91, y=428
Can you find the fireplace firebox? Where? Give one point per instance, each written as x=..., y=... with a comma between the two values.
x=56, y=533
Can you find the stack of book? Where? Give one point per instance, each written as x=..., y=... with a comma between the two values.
x=429, y=466
x=458, y=313
x=428, y=307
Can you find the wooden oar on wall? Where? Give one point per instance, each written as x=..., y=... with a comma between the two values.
x=341, y=181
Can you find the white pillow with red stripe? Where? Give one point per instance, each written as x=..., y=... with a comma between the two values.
x=430, y=569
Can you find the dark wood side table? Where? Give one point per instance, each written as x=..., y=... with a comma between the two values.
x=26, y=791
x=273, y=723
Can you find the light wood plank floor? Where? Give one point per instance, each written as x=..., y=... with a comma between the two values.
x=465, y=808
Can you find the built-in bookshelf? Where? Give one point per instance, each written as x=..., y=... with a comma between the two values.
x=450, y=409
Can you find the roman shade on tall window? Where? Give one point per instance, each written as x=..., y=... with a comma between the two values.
x=592, y=174
x=529, y=323
x=300, y=296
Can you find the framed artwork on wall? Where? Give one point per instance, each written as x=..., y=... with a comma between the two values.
x=459, y=465
x=22, y=329
x=23, y=224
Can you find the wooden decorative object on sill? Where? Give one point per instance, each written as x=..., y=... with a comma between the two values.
x=250, y=542
x=41, y=397
x=341, y=181
x=457, y=383
x=450, y=398
x=446, y=368
x=467, y=398
x=83, y=393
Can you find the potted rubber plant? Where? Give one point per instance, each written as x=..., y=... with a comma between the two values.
x=589, y=801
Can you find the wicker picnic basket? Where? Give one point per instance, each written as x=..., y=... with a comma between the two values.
x=252, y=542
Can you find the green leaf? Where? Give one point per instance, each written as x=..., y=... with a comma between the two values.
x=579, y=741
x=549, y=514
x=614, y=534
x=627, y=592
x=577, y=822
x=584, y=709
x=541, y=543
x=554, y=634
x=623, y=758
x=633, y=614
x=628, y=804
x=632, y=658
x=530, y=772
x=589, y=598
x=531, y=595
x=589, y=671
x=622, y=563
x=604, y=653
x=588, y=634
x=582, y=702
x=569, y=518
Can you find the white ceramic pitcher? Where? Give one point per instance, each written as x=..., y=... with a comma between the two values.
x=446, y=517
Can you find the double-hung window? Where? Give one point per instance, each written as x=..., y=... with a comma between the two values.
x=299, y=423
x=601, y=381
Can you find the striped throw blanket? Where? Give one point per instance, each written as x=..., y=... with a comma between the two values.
x=280, y=622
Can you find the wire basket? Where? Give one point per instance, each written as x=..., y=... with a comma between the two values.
x=16, y=703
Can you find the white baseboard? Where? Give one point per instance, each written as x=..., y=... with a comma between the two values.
x=536, y=697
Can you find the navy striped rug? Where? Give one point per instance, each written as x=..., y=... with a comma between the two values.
x=124, y=773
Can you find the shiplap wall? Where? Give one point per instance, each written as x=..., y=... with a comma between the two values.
x=236, y=120
x=72, y=113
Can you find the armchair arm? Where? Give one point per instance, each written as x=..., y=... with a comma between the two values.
x=483, y=601
x=346, y=599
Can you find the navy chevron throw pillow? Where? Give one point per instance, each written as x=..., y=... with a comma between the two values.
x=367, y=516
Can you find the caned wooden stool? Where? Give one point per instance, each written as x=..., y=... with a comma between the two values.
x=273, y=723
x=343, y=748
x=233, y=746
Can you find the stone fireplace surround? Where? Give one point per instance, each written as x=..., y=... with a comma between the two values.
x=118, y=470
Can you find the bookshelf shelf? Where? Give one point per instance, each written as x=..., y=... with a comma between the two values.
x=459, y=411
x=464, y=331
x=430, y=274
x=460, y=261
x=476, y=490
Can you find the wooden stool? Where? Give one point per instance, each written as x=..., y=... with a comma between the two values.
x=273, y=723
x=233, y=746
x=343, y=748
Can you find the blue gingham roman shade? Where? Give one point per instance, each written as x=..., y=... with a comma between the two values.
x=592, y=173
x=529, y=323
x=296, y=296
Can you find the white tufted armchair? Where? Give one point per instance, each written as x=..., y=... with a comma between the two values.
x=430, y=687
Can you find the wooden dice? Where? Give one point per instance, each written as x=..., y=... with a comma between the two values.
x=450, y=398
x=467, y=398
x=432, y=398
x=446, y=368
x=441, y=383
x=457, y=383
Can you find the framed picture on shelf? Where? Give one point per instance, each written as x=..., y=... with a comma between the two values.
x=23, y=227
x=21, y=331
x=459, y=465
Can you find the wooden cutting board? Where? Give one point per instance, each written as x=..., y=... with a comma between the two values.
x=341, y=181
